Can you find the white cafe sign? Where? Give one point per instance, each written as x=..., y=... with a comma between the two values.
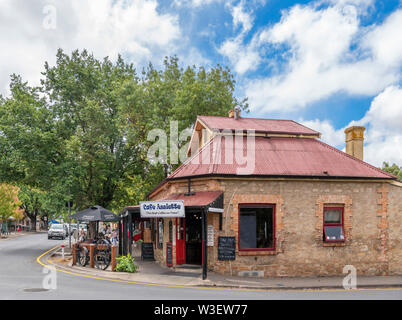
x=162, y=209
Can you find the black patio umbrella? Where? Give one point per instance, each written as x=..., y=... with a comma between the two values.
x=96, y=213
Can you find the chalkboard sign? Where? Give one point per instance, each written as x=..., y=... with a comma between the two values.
x=147, y=251
x=226, y=248
x=169, y=254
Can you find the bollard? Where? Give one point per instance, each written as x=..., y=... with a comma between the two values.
x=62, y=252
x=74, y=254
x=114, y=252
x=92, y=255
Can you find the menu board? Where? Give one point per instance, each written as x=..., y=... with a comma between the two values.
x=147, y=251
x=210, y=235
x=169, y=254
x=226, y=248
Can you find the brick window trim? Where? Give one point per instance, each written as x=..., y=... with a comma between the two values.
x=344, y=201
x=277, y=202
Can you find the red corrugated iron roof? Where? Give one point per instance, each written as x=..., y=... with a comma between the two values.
x=259, y=125
x=196, y=199
x=278, y=156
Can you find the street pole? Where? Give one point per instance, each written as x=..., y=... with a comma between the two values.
x=69, y=224
x=204, y=244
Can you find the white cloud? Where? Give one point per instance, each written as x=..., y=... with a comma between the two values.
x=383, y=135
x=316, y=44
x=385, y=41
x=193, y=57
x=362, y=4
x=104, y=27
x=194, y=3
x=328, y=133
x=241, y=17
x=386, y=109
x=384, y=132
x=243, y=58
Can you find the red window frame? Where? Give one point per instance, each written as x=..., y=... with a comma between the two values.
x=333, y=224
x=258, y=205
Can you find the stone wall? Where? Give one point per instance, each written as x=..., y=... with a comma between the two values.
x=372, y=223
x=394, y=243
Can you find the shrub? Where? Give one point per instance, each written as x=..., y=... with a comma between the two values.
x=126, y=264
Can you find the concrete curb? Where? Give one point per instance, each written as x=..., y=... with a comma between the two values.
x=295, y=288
x=211, y=285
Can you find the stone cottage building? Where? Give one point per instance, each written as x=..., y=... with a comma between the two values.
x=267, y=198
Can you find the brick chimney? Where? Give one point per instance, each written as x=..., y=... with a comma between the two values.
x=234, y=113
x=354, y=141
x=237, y=113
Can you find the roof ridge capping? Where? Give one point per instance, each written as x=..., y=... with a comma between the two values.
x=300, y=124
x=283, y=126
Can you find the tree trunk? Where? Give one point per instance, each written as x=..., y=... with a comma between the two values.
x=32, y=217
x=92, y=230
x=107, y=193
x=45, y=221
x=33, y=222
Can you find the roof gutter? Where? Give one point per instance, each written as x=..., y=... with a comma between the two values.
x=324, y=177
x=392, y=180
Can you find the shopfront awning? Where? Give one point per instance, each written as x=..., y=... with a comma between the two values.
x=213, y=200
x=130, y=209
x=202, y=199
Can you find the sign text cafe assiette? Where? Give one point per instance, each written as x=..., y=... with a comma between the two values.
x=162, y=209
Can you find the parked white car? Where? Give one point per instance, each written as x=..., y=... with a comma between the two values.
x=57, y=231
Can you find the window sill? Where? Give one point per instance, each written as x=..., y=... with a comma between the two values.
x=334, y=244
x=257, y=253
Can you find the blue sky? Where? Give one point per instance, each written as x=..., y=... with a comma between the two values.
x=328, y=64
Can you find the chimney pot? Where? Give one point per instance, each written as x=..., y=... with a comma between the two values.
x=231, y=113
x=237, y=113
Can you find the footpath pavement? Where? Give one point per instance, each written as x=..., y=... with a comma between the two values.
x=152, y=273
x=12, y=235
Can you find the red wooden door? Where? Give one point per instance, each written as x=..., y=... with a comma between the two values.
x=180, y=241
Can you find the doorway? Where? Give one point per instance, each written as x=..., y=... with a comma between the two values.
x=193, y=232
x=180, y=241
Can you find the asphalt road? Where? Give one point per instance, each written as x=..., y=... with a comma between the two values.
x=21, y=278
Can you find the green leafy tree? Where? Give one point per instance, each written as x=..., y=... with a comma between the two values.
x=9, y=202
x=173, y=94
x=394, y=169
x=82, y=134
x=31, y=203
x=30, y=150
x=83, y=96
x=29, y=145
